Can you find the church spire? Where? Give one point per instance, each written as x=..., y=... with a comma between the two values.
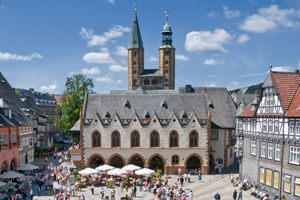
x=167, y=33
x=135, y=41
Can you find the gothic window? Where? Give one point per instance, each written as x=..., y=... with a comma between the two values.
x=166, y=82
x=146, y=81
x=154, y=81
x=154, y=139
x=134, y=62
x=166, y=62
x=115, y=139
x=134, y=71
x=276, y=180
x=194, y=139
x=262, y=175
x=135, y=139
x=166, y=71
x=269, y=177
x=134, y=54
x=173, y=139
x=96, y=139
x=175, y=160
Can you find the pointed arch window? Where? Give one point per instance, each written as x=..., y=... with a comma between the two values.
x=166, y=71
x=96, y=139
x=115, y=139
x=134, y=82
x=175, y=160
x=166, y=82
x=173, y=139
x=167, y=62
x=146, y=81
x=154, y=139
x=135, y=139
x=154, y=81
x=193, y=139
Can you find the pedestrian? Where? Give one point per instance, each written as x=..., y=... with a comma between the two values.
x=181, y=181
x=113, y=192
x=134, y=190
x=37, y=189
x=46, y=159
x=92, y=189
x=141, y=184
x=82, y=197
x=191, y=195
x=234, y=194
x=240, y=195
x=217, y=196
x=102, y=193
x=220, y=169
x=216, y=169
x=199, y=175
x=31, y=194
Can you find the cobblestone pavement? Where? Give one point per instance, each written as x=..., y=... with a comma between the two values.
x=204, y=189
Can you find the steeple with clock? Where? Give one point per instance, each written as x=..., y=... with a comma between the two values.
x=167, y=57
x=162, y=78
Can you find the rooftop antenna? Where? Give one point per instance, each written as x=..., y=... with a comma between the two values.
x=270, y=68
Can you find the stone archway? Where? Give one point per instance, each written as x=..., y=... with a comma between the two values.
x=194, y=161
x=116, y=160
x=137, y=159
x=4, y=167
x=13, y=165
x=95, y=161
x=157, y=162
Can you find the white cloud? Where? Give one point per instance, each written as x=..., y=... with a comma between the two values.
x=181, y=57
x=212, y=62
x=8, y=56
x=153, y=59
x=117, y=68
x=211, y=85
x=119, y=81
x=104, y=79
x=206, y=41
x=102, y=57
x=230, y=13
x=269, y=18
x=212, y=14
x=243, y=38
x=234, y=84
x=93, y=70
x=48, y=88
x=121, y=51
x=111, y=1
x=282, y=69
x=100, y=40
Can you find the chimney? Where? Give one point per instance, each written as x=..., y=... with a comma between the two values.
x=188, y=88
x=31, y=90
x=297, y=71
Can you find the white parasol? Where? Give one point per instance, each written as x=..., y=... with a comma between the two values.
x=28, y=167
x=105, y=167
x=117, y=172
x=88, y=171
x=131, y=167
x=144, y=172
x=2, y=184
x=11, y=174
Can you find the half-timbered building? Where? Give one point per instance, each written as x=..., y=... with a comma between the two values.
x=268, y=136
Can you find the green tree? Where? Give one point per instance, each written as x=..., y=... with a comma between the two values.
x=72, y=101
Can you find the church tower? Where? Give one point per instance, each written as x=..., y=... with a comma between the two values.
x=135, y=55
x=167, y=57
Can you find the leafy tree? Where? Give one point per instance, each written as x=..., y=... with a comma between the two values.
x=72, y=101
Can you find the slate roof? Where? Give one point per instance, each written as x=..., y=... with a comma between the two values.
x=223, y=108
x=76, y=127
x=150, y=72
x=142, y=91
x=11, y=99
x=40, y=98
x=135, y=41
x=287, y=85
x=142, y=103
x=245, y=98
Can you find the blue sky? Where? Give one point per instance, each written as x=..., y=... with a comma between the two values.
x=220, y=43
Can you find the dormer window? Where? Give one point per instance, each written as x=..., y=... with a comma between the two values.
x=107, y=115
x=164, y=105
x=127, y=105
x=147, y=115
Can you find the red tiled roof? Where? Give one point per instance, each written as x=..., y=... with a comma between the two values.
x=287, y=85
x=294, y=109
x=248, y=112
